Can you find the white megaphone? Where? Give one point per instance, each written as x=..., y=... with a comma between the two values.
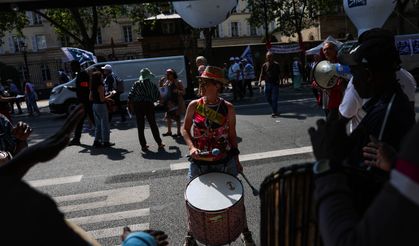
x=326, y=74
x=204, y=13
x=368, y=14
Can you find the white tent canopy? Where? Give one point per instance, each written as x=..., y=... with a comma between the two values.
x=316, y=50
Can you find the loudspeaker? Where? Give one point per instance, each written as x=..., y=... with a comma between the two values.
x=326, y=74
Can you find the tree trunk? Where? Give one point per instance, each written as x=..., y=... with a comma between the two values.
x=208, y=43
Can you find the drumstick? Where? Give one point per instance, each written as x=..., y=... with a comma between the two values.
x=255, y=191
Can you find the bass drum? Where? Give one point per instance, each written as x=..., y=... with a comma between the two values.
x=215, y=207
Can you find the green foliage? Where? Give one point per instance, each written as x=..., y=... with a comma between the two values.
x=81, y=24
x=291, y=16
x=12, y=21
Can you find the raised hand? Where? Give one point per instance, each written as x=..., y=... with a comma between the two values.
x=44, y=150
x=21, y=131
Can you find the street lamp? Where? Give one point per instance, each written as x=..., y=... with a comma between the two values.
x=22, y=47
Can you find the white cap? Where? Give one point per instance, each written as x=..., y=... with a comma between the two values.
x=231, y=58
x=107, y=67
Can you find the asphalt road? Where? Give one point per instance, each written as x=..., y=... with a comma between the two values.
x=105, y=189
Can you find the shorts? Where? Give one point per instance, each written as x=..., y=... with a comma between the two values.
x=229, y=167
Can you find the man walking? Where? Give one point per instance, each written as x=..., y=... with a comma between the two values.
x=270, y=73
x=249, y=76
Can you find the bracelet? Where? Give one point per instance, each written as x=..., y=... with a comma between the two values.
x=234, y=151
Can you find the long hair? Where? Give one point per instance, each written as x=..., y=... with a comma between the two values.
x=96, y=80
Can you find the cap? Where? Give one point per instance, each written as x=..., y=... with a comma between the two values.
x=231, y=58
x=236, y=58
x=145, y=74
x=376, y=48
x=107, y=67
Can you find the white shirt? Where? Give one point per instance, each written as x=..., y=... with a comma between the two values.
x=351, y=106
x=408, y=83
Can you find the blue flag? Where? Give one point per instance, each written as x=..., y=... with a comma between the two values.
x=80, y=55
x=247, y=54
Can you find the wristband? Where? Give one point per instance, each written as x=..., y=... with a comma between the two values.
x=234, y=151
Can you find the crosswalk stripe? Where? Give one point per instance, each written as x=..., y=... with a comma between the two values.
x=117, y=231
x=110, y=216
x=55, y=181
x=255, y=156
x=114, y=197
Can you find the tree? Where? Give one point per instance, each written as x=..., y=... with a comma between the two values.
x=81, y=24
x=291, y=16
x=10, y=21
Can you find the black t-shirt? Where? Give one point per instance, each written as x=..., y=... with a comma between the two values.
x=271, y=72
x=29, y=217
x=83, y=86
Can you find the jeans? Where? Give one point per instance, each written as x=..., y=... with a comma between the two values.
x=100, y=111
x=271, y=94
x=31, y=104
x=229, y=167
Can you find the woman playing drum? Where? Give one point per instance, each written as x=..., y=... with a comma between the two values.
x=214, y=128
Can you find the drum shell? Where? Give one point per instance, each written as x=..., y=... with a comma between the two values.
x=287, y=208
x=216, y=227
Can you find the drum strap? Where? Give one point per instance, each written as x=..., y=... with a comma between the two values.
x=383, y=126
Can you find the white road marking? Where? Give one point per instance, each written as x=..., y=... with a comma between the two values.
x=117, y=231
x=279, y=102
x=55, y=181
x=255, y=156
x=111, y=216
x=114, y=197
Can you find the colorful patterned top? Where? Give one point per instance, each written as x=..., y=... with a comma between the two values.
x=211, y=129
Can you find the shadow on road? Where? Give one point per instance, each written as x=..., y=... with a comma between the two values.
x=115, y=154
x=163, y=154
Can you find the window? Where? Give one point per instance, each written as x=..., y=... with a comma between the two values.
x=99, y=36
x=253, y=31
x=46, y=74
x=234, y=29
x=216, y=33
x=36, y=19
x=41, y=42
x=16, y=45
x=168, y=27
x=65, y=41
x=127, y=33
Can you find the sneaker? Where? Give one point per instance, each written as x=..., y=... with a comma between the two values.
x=167, y=134
x=145, y=148
x=108, y=144
x=74, y=142
x=190, y=241
x=97, y=144
x=247, y=239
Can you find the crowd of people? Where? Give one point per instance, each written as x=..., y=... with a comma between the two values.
x=369, y=125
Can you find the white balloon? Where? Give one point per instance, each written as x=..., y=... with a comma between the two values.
x=205, y=13
x=368, y=14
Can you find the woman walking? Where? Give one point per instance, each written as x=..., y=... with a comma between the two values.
x=141, y=100
x=100, y=111
x=175, y=105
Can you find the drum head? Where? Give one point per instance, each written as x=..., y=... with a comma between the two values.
x=214, y=191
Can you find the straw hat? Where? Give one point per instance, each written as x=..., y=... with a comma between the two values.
x=214, y=73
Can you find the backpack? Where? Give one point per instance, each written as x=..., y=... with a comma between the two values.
x=119, y=85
